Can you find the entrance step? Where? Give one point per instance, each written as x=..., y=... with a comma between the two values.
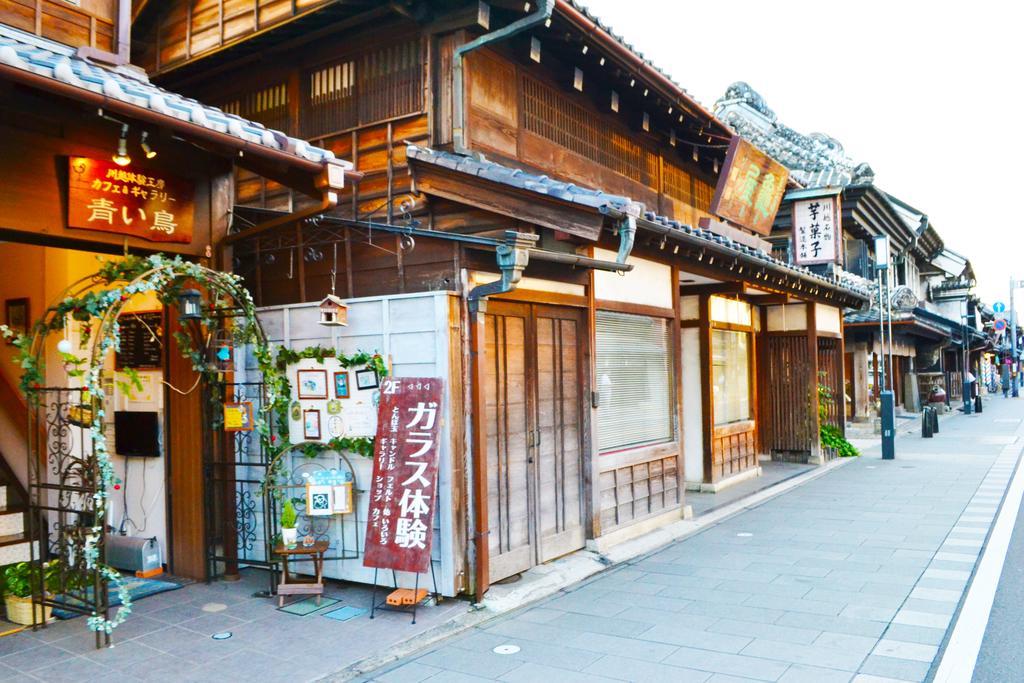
x=12, y=521
x=15, y=549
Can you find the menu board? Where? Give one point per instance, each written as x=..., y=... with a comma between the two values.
x=141, y=340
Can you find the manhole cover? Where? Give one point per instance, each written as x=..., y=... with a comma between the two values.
x=223, y=635
x=744, y=534
x=506, y=650
x=214, y=607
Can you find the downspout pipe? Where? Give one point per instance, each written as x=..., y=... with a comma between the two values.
x=513, y=256
x=544, y=10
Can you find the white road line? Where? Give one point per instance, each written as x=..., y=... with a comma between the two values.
x=961, y=654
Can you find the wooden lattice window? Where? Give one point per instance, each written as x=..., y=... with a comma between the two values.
x=677, y=183
x=268, y=106
x=550, y=114
x=356, y=91
x=702, y=194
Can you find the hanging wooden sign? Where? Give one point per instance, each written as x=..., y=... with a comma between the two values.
x=400, y=519
x=750, y=187
x=144, y=203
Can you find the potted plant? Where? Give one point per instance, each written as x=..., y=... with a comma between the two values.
x=18, y=581
x=289, y=534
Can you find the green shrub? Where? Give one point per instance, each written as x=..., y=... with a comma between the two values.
x=288, y=516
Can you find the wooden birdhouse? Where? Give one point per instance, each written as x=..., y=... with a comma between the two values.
x=333, y=312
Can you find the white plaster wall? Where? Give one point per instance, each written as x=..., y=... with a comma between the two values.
x=828, y=319
x=649, y=283
x=693, y=408
x=411, y=332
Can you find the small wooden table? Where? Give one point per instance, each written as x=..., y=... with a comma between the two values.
x=291, y=585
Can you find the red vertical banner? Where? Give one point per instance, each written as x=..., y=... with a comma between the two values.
x=400, y=518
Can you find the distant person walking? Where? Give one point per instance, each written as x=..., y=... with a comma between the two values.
x=1004, y=376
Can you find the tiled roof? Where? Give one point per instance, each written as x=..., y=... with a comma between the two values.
x=516, y=177
x=61, y=63
x=596, y=199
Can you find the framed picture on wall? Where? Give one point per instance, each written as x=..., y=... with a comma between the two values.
x=311, y=425
x=312, y=383
x=367, y=379
x=17, y=316
x=238, y=417
x=341, y=384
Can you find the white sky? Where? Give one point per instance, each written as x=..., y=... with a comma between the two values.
x=930, y=94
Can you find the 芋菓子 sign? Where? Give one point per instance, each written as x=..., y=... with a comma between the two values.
x=750, y=187
x=399, y=522
x=817, y=231
x=138, y=202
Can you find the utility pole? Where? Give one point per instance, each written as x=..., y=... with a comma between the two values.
x=887, y=400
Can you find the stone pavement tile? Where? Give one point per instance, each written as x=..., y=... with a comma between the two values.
x=851, y=626
x=899, y=579
x=12, y=675
x=801, y=673
x=790, y=590
x=844, y=584
x=845, y=641
x=73, y=669
x=796, y=570
x=736, y=575
x=814, y=655
x=955, y=557
x=946, y=574
x=887, y=647
x=933, y=606
x=912, y=617
x=623, y=668
x=883, y=614
x=208, y=624
x=585, y=604
x=127, y=654
x=841, y=563
x=936, y=594
x=733, y=665
x=36, y=657
x=678, y=580
x=539, y=615
x=790, y=605
x=410, y=672
x=855, y=598
x=655, y=616
x=19, y=641
x=726, y=678
x=650, y=566
x=885, y=588
x=557, y=656
x=717, y=595
x=753, y=629
x=744, y=612
x=944, y=584
x=476, y=663
x=890, y=667
x=475, y=639
x=623, y=586
x=530, y=672
x=868, y=678
x=677, y=634
x=661, y=602
x=626, y=647
x=915, y=634
x=592, y=624
x=544, y=633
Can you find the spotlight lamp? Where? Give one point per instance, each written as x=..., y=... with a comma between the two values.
x=146, y=148
x=122, y=158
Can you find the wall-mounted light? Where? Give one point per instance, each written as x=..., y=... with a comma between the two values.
x=696, y=155
x=535, y=50
x=632, y=82
x=646, y=90
x=122, y=158
x=149, y=151
x=647, y=122
x=716, y=166
x=585, y=49
x=601, y=62
x=615, y=101
x=577, y=79
x=672, y=137
x=547, y=23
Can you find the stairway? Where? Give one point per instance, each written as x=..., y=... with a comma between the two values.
x=14, y=543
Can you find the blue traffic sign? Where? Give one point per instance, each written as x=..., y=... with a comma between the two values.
x=999, y=307
x=1000, y=325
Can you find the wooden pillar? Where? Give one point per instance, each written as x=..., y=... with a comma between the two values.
x=481, y=523
x=813, y=424
x=706, y=388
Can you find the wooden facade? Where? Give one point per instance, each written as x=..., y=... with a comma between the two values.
x=89, y=23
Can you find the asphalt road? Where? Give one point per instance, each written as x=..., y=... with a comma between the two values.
x=1001, y=658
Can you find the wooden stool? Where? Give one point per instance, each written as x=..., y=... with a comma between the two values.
x=290, y=585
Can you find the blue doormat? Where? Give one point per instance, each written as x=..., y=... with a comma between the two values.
x=307, y=606
x=138, y=588
x=345, y=613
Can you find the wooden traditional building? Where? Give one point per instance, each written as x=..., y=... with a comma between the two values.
x=612, y=339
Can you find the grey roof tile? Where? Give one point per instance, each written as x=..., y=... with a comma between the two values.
x=61, y=63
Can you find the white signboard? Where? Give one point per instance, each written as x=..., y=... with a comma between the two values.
x=330, y=402
x=817, y=232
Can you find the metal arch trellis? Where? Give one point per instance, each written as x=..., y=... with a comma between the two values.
x=67, y=424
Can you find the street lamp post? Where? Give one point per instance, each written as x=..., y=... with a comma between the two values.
x=1013, y=341
x=887, y=399
x=966, y=360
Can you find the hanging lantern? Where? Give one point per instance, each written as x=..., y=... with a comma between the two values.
x=333, y=312
x=220, y=351
x=190, y=303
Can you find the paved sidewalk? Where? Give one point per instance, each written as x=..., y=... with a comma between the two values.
x=853, y=576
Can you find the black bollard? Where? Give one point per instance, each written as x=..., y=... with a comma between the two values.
x=977, y=404
x=926, y=424
x=935, y=420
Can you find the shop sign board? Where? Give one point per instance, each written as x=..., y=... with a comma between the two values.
x=151, y=205
x=817, y=230
x=750, y=187
x=400, y=518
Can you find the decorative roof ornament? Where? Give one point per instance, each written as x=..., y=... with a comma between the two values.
x=903, y=298
x=814, y=160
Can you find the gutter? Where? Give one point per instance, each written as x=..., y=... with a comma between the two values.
x=458, y=92
x=149, y=116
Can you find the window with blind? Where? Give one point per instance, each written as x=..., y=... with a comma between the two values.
x=730, y=375
x=634, y=378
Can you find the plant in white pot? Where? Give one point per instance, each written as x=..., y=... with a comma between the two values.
x=18, y=581
x=289, y=534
